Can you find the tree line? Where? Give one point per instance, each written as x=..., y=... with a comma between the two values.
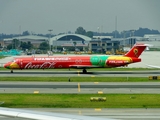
x=16, y=44
x=80, y=30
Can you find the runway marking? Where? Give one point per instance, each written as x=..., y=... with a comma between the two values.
x=36, y=92
x=80, y=112
x=96, y=82
x=92, y=76
x=100, y=92
x=98, y=109
x=78, y=73
x=79, y=87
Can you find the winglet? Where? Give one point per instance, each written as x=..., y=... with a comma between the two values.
x=136, y=50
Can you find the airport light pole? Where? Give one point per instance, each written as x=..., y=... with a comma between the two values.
x=98, y=31
x=19, y=36
x=50, y=30
x=1, y=33
x=124, y=37
x=132, y=36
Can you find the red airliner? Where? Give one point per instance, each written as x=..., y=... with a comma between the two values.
x=78, y=61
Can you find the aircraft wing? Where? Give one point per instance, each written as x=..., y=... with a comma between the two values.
x=19, y=113
x=153, y=66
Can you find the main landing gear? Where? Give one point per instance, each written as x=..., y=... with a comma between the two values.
x=84, y=71
x=11, y=71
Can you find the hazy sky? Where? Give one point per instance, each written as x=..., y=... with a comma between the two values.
x=67, y=15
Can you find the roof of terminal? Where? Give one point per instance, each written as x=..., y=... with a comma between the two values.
x=77, y=35
x=35, y=37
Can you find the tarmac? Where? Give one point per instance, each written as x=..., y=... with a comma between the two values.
x=148, y=58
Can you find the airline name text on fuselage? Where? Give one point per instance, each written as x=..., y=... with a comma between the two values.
x=55, y=58
x=116, y=61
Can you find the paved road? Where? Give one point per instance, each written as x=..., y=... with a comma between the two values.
x=102, y=85
x=50, y=73
x=80, y=88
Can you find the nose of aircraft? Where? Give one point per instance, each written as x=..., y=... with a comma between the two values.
x=7, y=65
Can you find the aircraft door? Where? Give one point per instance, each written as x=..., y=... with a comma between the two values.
x=21, y=64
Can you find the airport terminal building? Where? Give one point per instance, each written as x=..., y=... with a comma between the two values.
x=99, y=44
x=110, y=44
x=70, y=42
x=67, y=41
x=73, y=42
x=153, y=40
x=34, y=39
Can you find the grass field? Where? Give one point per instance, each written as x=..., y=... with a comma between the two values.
x=79, y=79
x=2, y=57
x=80, y=101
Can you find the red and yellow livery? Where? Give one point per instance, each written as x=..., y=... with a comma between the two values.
x=78, y=61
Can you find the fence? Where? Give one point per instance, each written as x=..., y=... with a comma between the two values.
x=10, y=52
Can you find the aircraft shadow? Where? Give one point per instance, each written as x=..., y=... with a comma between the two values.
x=48, y=72
x=79, y=72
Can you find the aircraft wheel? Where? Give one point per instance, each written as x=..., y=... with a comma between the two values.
x=84, y=71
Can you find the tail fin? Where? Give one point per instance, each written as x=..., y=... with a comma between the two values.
x=136, y=50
